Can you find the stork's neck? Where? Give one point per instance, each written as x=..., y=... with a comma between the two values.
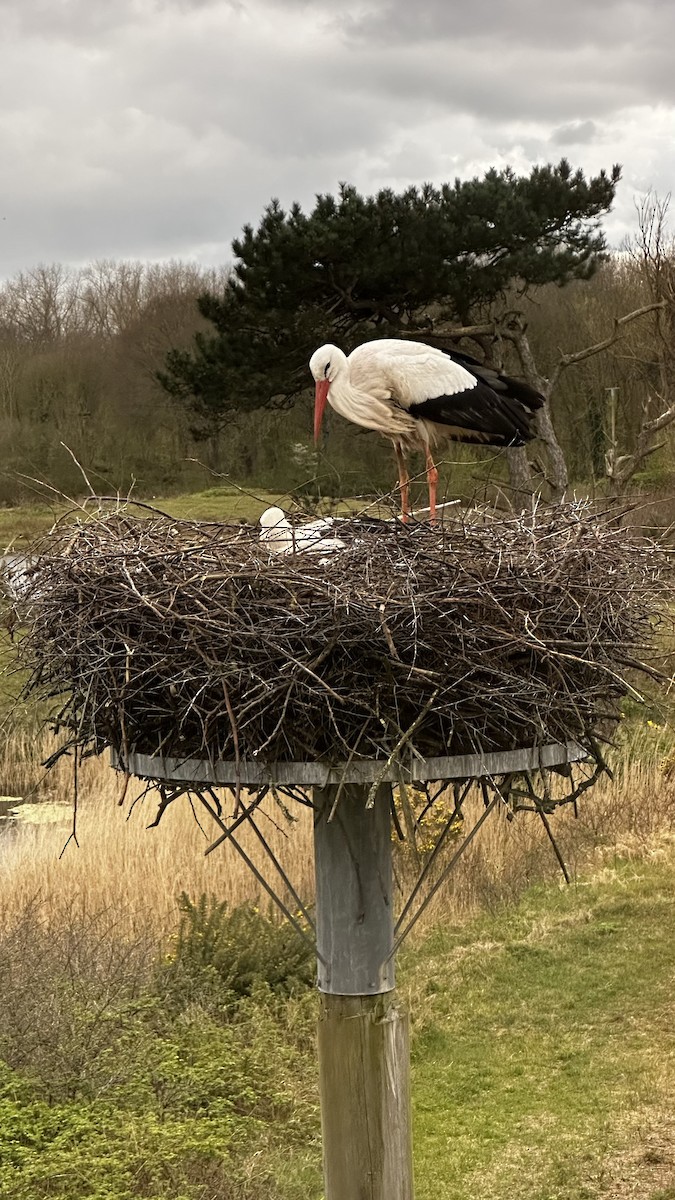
x=350, y=401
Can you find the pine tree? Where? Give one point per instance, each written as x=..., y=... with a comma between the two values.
x=359, y=267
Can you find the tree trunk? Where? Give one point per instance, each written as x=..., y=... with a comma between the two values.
x=520, y=477
x=558, y=478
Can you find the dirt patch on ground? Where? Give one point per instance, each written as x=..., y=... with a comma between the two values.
x=646, y=1169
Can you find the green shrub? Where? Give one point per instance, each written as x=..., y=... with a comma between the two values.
x=131, y=1098
x=77, y=1151
x=221, y=955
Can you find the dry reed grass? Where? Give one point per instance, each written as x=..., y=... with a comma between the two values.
x=122, y=866
x=631, y=816
x=119, y=863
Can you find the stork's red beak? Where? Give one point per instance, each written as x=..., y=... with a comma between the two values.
x=320, y=398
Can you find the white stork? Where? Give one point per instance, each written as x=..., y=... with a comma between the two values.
x=280, y=537
x=419, y=396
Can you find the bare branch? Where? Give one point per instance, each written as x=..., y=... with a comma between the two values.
x=658, y=423
x=568, y=360
x=620, y=470
x=452, y=333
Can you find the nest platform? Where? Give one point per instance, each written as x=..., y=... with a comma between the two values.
x=487, y=633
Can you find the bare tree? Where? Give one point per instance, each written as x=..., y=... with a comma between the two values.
x=111, y=295
x=41, y=306
x=653, y=251
x=11, y=362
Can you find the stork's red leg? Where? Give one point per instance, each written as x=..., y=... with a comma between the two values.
x=432, y=480
x=403, y=482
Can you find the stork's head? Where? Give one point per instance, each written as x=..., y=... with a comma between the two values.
x=274, y=518
x=324, y=365
x=275, y=531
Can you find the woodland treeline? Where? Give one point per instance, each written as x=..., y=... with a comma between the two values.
x=82, y=352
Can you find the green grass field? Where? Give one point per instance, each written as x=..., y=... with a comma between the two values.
x=545, y=1046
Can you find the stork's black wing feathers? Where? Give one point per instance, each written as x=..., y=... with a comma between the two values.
x=479, y=414
x=504, y=385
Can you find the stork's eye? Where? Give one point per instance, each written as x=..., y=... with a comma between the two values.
x=326, y=370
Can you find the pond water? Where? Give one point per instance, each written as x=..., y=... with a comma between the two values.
x=14, y=574
x=15, y=811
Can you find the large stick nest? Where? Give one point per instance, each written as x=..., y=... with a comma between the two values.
x=489, y=632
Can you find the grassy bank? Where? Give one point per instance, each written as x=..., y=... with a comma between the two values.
x=545, y=1047
x=120, y=863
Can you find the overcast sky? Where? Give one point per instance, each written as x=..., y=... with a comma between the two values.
x=155, y=128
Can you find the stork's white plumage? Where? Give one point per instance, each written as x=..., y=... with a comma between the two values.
x=419, y=397
x=280, y=537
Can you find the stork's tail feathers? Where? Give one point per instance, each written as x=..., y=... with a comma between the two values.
x=524, y=393
x=503, y=385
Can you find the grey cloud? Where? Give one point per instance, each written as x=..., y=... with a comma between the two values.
x=90, y=22
x=156, y=128
x=575, y=134
x=525, y=23
x=503, y=82
x=276, y=99
x=542, y=94
x=66, y=20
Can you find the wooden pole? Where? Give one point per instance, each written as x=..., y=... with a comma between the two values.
x=364, y=1051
